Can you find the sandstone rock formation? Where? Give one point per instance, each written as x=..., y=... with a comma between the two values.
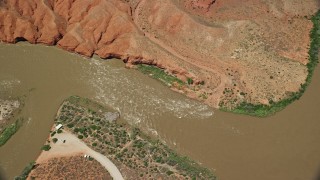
x=250, y=50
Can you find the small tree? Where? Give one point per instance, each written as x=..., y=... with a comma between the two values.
x=189, y=81
x=46, y=147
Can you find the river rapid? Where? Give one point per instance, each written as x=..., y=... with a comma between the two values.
x=236, y=147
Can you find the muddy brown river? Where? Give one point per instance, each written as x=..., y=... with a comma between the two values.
x=285, y=146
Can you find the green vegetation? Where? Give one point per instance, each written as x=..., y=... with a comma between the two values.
x=265, y=110
x=70, y=125
x=9, y=131
x=159, y=74
x=185, y=164
x=46, y=147
x=54, y=140
x=125, y=145
x=26, y=171
x=189, y=81
x=53, y=133
x=203, y=95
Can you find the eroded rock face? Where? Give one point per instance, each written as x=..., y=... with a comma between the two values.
x=251, y=50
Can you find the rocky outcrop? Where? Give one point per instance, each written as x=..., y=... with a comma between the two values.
x=251, y=50
x=111, y=116
x=6, y=109
x=202, y=6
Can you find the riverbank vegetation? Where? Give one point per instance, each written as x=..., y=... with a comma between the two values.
x=26, y=171
x=46, y=147
x=9, y=131
x=265, y=110
x=10, y=117
x=136, y=154
x=160, y=74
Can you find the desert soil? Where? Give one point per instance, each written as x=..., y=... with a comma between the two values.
x=71, y=167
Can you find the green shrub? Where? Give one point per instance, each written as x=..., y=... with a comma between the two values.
x=46, y=147
x=53, y=133
x=80, y=136
x=145, y=163
x=189, y=81
x=82, y=129
x=94, y=127
x=54, y=140
x=70, y=125
x=169, y=173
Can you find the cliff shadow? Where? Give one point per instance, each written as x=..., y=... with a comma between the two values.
x=20, y=39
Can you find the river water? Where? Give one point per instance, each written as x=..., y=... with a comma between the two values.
x=280, y=147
